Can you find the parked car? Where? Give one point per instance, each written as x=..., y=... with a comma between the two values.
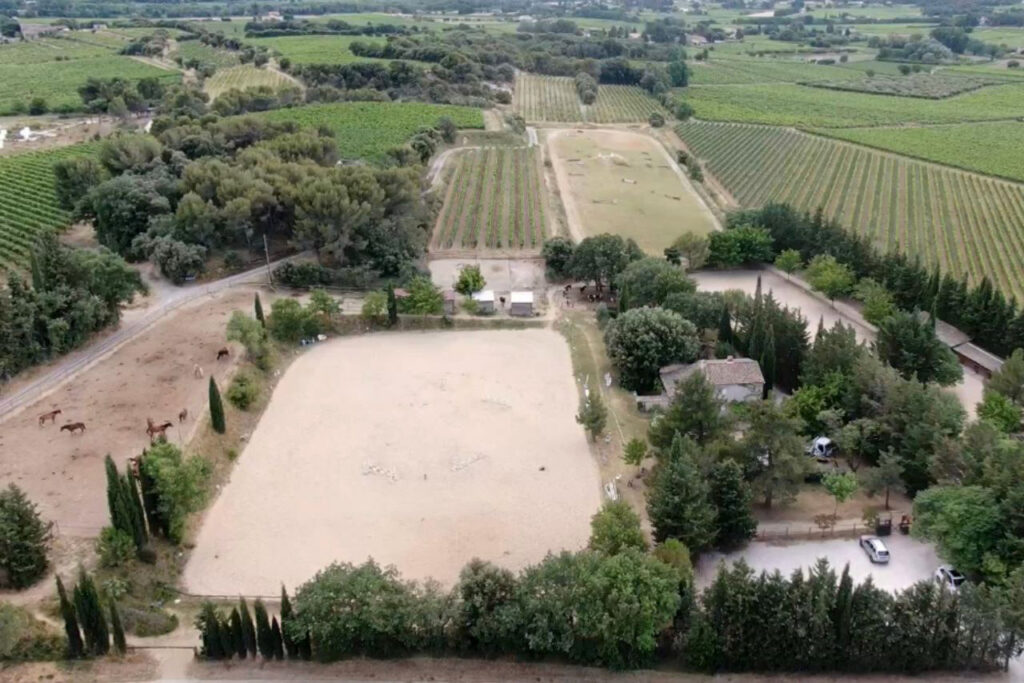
x=822, y=449
x=949, y=577
x=876, y=550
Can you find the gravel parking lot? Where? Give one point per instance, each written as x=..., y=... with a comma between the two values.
x=912, y=560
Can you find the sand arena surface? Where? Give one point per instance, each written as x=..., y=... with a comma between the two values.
x=422, y=450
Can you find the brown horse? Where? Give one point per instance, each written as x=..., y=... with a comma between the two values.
x=183, y=415
x=73, y=427
x=51, y=416
x=153, y=430
x=223, y=353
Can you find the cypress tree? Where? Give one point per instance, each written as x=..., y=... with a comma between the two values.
x=306, y=647
x=216, y=408
x=138, y=513
x=258, y=306
x=38, y=281
x=392, y=307
x=120, y=646
x=237, y=635
x=768, y=362
x=90, y=615
x=227, y=643
x=276, y=638
x=208, y=623
x=264, y=638
x=75, y=646
x=290, y=646
x=248, y=629
x=158, y=521
x=725, y=326
x=120, y=517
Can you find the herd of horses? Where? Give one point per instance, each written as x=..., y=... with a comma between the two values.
x=153, y=430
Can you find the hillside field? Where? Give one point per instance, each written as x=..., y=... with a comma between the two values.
x=494, y=201
x=964, y=222
x=315, y=49
x=28, y=200
x=554, y=99
x=368, y=129
x=242, y=77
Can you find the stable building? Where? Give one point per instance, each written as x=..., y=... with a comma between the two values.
x=521, y=304
x=484, y=301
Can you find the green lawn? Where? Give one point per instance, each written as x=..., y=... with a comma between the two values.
x=315, y=49
x=366, y=130
x=990, y=148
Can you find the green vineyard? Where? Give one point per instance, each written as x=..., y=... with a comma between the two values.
x=242, y=77
x=494, y=201
x=28, y=200
x=554, y=99
x=964, y=222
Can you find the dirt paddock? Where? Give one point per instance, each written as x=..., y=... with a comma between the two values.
x=421, y=450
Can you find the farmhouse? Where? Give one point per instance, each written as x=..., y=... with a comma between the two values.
x=521, y=303
x=735, y=379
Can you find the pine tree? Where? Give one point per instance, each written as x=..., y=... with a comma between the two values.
x=264, y=638
x=90, y=615
x=392, y=307
x=120, y=646
x=290, y=646
x=237, y=635
x=678, y=503
x=725, y=326
x=276, y=638
x=768, y=362
x=216, y=408
x=76, y=649
x=731, y=497
x=258, y=306
x=248, y=628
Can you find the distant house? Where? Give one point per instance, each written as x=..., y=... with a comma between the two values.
x=484, y=301
x=521, y=304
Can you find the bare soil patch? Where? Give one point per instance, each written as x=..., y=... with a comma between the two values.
x=421, y=450
x=624, y=182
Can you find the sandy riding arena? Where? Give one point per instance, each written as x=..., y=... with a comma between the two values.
x=625, y=183
x=422, y=450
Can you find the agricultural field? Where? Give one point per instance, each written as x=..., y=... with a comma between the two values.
x=54, y=68
x=1000, y=35
x=315, y=49
x=366, y=130
x=929, y=86
x=964, y=222
x=731, y=71
x=242, y=77
x=990, y=148
x=804, y=106
x=193, y=49
x=554, y=99
x=28, y=200
x=624, y=183
x=495, y=200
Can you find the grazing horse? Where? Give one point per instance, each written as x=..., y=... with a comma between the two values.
x=183, y=415
x=153, y=430
x=73, y=427
x=51, y=416
x=223, y=353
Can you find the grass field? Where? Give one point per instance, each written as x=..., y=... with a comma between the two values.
x=193, y=49
x=242, y=77
x=797, y=105
x=28, y=200
x=554, y=99
x=366, y=130
x=990, y=148
x=623, y=182
x=315, y=49
x=929, y=86
x=495, y=201
x=964, y=222
x=736, y=70
x=32, y=69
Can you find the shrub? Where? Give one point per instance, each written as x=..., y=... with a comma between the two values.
x=23, y=638
x=24, y=539
x=302, y=274
x=244, y=389
x=147, y=622
x=115, y=547
x=656, y=120
x=470, y=280
x=289, y=321
x=696, y=173
x=233, y=260
x=375, y=308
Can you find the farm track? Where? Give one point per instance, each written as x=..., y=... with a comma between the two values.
x=950, y=217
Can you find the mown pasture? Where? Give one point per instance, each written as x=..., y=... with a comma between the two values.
x=366, y=130
x=554, y=99
x=315, y=49
x=494, y=201
x=28, y=200
x=965, y=222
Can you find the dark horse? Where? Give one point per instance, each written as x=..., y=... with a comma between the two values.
x=73, y=427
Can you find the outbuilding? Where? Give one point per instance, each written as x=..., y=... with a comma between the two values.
x=449, y=302
x=521, y=304
x=484, y=301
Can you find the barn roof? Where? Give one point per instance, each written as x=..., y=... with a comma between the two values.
x=720, y=373
x=521, y=297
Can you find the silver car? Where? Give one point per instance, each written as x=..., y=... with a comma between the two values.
x=876, y=550
x=949, y=577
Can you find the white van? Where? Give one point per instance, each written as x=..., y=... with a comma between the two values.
x=822, y=449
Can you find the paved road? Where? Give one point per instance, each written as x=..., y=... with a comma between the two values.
x=75, y=363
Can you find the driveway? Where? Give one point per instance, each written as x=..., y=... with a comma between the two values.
x=912, y=560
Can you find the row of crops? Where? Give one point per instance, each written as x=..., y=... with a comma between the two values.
x=554, y=99
x=242, y=77
x=967, y=223
x=731, y=71
x=367, y=130
x=494, y=201
x=28, y=200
